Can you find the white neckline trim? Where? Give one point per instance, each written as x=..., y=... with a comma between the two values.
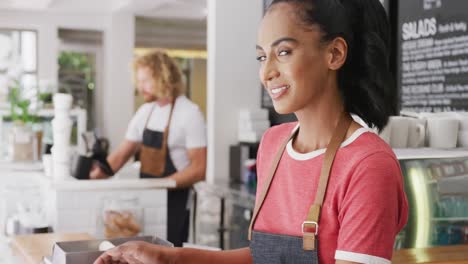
x=310, y=155
x=360, y=258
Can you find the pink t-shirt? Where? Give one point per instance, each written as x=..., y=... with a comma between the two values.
x=365, y=205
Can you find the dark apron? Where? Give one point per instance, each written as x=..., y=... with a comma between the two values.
x=269, y=248
x=156, y=162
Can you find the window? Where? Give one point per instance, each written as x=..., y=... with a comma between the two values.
x=18, y=57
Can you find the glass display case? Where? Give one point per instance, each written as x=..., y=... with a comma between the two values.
x=436, y=184
x=222, y=215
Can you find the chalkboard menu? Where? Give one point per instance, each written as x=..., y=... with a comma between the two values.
x=433, y=55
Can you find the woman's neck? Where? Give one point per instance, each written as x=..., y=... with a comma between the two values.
x=317, y=123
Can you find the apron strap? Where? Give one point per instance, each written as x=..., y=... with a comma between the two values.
x=149, y=116
x=313, y=216
x=166, y=130
x=314, y=212
x=267, y=184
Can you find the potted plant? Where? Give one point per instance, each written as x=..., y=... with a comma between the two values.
x=24, y=141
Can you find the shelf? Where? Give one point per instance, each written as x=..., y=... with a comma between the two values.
x=463, y=178
x=430, y=153
x=450, y=219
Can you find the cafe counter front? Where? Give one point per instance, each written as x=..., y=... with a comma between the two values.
x=119, y=206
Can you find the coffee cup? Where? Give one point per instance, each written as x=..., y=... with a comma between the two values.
x=48, y=164
x=463, y=118
x=399, y=128
x=416, y=133
x=83, y=167
x=442, y=131
x=62, y=101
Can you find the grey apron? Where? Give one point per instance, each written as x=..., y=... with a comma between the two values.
x=269, y=248
x=157, y=163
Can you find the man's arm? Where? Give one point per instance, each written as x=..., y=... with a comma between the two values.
x=194, y=172
x=117, y=158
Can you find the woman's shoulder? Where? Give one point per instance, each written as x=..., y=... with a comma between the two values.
x=369, y=148
x=280, y=131
x=369, y=142
x=275, y=135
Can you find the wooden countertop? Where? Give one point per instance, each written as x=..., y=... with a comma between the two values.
x=439, y=255
x=31, y=248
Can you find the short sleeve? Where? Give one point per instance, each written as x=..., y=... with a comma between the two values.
x=137, y=125
x=372, y=211
x=195, y=129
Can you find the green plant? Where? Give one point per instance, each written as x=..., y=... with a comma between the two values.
x=74, y=61
x=19, y=107
x=45, y=98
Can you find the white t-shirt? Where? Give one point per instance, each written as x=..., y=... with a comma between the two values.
x=187, y=129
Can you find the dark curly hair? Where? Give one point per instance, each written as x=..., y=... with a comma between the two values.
x=364, y=81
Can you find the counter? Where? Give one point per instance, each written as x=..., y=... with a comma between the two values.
x=30, y=249
x=77, y=205
x=435, y=255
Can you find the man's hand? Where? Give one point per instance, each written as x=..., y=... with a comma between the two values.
x=97, y=173
x=116, y=159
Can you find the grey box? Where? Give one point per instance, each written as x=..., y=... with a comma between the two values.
x=86, y=251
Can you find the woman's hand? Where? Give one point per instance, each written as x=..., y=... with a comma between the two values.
x=138, y=252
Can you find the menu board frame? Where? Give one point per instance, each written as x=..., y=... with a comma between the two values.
x=431, y=74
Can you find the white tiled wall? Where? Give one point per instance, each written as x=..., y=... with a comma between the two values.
x=79, y=211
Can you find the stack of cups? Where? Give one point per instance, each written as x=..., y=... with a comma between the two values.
x=404, y=132
x=463, y=130
x=61, y=127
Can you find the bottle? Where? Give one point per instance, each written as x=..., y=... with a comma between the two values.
x=252, y=176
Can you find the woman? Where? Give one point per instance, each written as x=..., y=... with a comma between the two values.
x=321, y=60
x=169, y=130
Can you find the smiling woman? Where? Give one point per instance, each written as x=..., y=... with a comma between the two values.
x=321, y=60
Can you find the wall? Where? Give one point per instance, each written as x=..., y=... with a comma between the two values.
x=114, y=109
x=117, y=104
x=170, y=33
x=232, y=76
x=198, y=83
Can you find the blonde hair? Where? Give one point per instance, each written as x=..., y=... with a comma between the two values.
x=165, y=72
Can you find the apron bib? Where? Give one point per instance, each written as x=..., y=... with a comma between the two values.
x=156, y=162
x=269, y=248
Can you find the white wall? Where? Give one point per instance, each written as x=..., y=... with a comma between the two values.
x=233, y=81
x=118, y=96
x=113, y=107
